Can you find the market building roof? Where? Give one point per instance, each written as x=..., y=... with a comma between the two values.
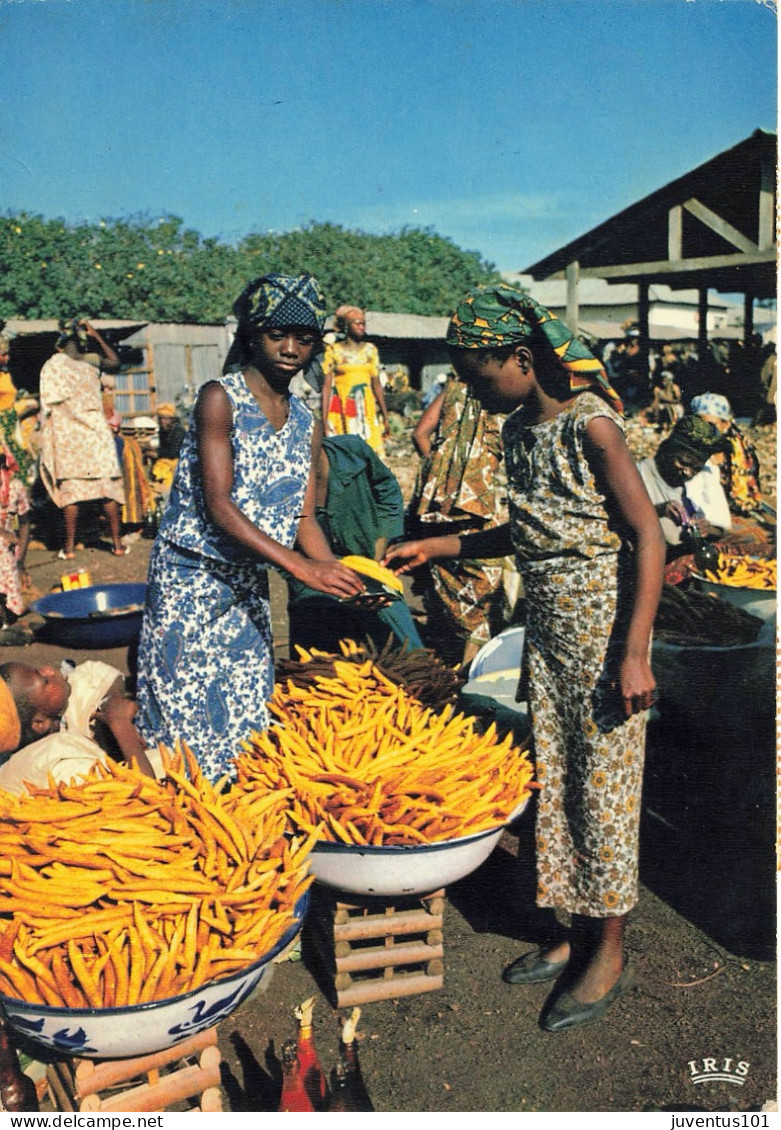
x=714, y=228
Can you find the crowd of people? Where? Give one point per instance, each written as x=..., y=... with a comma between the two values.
x=527, y=502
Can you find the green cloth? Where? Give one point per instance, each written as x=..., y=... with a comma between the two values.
x=492, y=316
x=363, y=503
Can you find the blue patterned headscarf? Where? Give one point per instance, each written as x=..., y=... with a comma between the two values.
x=274, y=301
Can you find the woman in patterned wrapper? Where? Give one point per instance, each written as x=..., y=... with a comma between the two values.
x=591, y=556
x=242, y=501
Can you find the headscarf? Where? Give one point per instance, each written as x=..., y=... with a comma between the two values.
x=10, y=724
x=693, y=436
x=166, y=410
x=72, y=329
x=711, y=404
x=345, y=314
x=274, y=301
x=489, y=317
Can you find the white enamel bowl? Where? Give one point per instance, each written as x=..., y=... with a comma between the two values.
x=399, y=871
x=117, y=1033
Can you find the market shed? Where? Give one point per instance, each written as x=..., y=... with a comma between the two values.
x=713, y=228
x=414, y=343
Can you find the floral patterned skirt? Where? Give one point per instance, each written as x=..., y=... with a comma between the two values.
x=589, y=757
x=205, y=662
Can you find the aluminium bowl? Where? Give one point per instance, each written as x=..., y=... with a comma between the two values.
x=399, y=870
x=117, y=1033
x=99, y=616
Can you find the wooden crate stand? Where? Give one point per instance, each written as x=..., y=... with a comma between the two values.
x=374, y=950
x=141, y=1084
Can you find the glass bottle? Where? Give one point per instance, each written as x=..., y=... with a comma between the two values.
x=294, y=1097
x=349, y=1053
x=17, y=1090
x=341, y=1089
x=311, y=1069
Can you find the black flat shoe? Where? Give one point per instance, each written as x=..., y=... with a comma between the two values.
x=531, y=969
x=568, y=1012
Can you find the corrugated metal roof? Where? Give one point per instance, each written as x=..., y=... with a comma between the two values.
x=405, y=326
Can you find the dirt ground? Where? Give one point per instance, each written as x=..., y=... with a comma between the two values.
x=701, y=943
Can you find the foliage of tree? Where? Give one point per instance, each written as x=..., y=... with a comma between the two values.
x=160, y=270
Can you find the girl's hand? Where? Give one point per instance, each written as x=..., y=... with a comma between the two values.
x=407, y=555
x=412, y=554
x=332, y=577
x=637, y=685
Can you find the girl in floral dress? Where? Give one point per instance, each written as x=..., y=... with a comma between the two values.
x=591, y=556
x=242, y=497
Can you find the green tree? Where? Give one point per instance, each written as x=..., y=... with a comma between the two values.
x=160, y=270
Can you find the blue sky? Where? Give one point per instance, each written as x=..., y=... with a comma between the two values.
x=509, y=126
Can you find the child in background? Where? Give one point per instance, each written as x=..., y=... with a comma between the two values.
x=591, y=556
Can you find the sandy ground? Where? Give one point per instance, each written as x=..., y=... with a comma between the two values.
x=701, y=943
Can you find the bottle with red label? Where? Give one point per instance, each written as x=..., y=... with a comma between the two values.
x=294, y=1097
x=311, y=1069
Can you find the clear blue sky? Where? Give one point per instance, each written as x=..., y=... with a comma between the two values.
x=510, y=126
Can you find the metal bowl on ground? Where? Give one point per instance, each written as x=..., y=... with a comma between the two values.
x=396, y=871
x=99, y=616
x=117, y=1033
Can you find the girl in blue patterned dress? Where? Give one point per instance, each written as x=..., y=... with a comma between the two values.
x=591, y=555
x=242, y=499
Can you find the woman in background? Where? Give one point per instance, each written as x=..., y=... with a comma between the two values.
x=78, y=456
x=353, y=398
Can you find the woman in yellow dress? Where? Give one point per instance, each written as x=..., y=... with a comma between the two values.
x=353, y=400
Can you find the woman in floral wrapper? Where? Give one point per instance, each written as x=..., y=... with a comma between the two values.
x=591, y=556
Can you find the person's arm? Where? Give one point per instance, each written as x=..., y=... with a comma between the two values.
x=427, y=425
x=484, y=545
x=110, y=361
x=117, y=713
x=612, y=463
x=214, y=420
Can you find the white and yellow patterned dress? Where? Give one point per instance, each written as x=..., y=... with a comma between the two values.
x=578, y=574
x=353, y=409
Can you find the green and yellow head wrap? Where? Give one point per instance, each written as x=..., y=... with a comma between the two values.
x=492, y=316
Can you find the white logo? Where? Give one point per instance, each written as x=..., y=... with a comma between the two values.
x=718, y=1070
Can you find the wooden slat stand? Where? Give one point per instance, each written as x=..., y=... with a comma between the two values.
x=148, y=1083
x=375, y=951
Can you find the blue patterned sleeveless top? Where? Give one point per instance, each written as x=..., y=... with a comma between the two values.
x=270, y=474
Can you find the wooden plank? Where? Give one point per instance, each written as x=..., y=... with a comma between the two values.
x=379, y=957
x=96, y=1075
x=719, y=225
x=377, y=926
x=361, y=992
x=678, y=266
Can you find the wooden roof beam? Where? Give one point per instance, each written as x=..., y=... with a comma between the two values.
x=720, y=226
x=630, y=271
